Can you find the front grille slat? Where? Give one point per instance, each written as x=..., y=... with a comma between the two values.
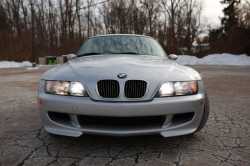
x=141, y=88
x=144, y=86
x=135, y=88
x=108, y=88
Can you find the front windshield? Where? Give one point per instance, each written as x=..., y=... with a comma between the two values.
x=122, y=44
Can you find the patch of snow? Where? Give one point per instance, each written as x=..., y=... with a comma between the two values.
x=215, y=59
x=26, y=63
x=202, y=44
x=11, y=64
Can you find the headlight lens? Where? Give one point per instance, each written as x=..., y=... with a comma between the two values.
x=76, y=88
x=61, y=87
x=167, y=89
x=65, y=88
x=177, y=89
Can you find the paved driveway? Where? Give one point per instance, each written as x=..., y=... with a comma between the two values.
x=225, y=140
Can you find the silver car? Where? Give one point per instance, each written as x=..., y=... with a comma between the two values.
x=122, y=85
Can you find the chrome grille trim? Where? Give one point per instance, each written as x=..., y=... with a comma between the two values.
x=108, y=89
x=135, y=89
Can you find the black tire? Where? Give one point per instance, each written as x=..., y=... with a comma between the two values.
x=53, y=135
x=205, y=115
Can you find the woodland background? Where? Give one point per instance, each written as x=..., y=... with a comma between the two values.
x=62, y=26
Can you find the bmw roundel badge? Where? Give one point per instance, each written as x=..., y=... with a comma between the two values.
x=122, y=75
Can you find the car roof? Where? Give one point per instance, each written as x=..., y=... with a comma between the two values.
x=120, y=35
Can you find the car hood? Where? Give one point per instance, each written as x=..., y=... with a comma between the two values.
x=90, y=69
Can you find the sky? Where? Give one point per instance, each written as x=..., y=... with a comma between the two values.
x=212, y=11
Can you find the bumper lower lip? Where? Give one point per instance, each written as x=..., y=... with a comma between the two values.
x=86, y=106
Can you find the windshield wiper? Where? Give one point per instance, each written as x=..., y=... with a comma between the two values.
x=90, y=53
x=126, y=53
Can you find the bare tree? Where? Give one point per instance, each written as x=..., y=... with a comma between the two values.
x=62, y=26
x=152, y=9
x=193, y=24
x=184, y=24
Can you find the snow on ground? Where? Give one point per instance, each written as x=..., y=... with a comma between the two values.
x=215, y=59
x=8, y=64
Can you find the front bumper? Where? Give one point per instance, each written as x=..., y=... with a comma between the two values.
x=76, y=106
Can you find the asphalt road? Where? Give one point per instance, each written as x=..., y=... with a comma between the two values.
x=225, y=140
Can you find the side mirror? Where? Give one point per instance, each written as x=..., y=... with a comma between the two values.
x=172, y=56
x=71, y=56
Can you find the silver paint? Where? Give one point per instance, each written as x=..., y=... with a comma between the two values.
x=90, y=69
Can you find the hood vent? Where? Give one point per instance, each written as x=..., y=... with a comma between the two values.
x=108, y=88
x=135, y=88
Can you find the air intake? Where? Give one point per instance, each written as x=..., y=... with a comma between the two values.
x=122, y=121
x=108, y=88
x=135, y=88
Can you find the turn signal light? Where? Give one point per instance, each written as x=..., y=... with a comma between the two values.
x=202, y=102
x=39, y=101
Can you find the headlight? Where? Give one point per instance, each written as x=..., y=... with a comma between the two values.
x=177, y=89
x=167, y=89
x=65, y=88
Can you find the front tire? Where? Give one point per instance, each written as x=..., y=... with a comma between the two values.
x=53, y=135
x=206, y=113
